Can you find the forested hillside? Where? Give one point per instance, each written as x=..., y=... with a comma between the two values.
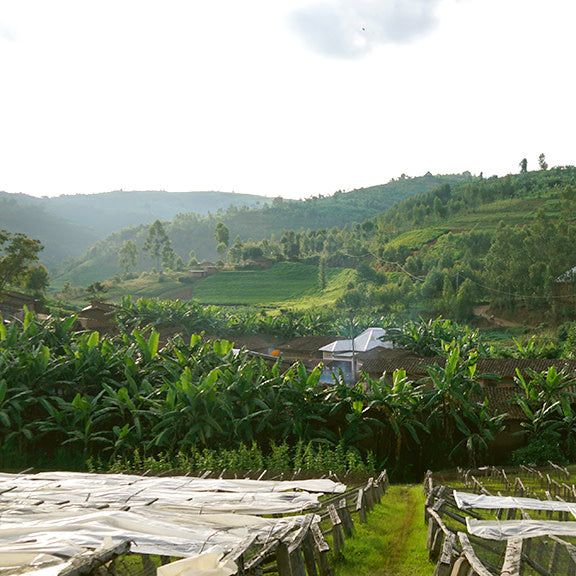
x=505, y=242
x=68, y=225
x=192, y=232
x=61, y=238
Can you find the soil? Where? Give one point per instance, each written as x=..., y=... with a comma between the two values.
x=484, y=312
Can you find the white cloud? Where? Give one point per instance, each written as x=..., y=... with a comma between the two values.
x=352, y=28
x=6, y=33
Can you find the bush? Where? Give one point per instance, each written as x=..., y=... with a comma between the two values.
x=538, y=452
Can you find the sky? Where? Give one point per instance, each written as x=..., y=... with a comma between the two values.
x=291, y=98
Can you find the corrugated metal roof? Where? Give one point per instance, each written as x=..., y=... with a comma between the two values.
x=367, y=340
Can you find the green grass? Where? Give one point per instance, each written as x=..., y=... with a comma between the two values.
x=511, y=211
x=288, y=284
x=393, y=540
x=415, y=239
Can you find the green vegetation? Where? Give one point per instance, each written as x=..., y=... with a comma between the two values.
x=194, y=230
x=72, y=397
x=288, y=284
x=501, y=242
x=393, y=540
x=415, y=239
x=18, y=254
x=308, y=458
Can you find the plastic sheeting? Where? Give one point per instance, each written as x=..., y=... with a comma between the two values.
x=502, y=530
x=71, y=532
x=483, y=502
x=59, y=515
x=127, y=491
x=116, y=481
x=203, y=565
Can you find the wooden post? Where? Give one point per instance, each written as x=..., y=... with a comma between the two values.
x=444, y=566
x=461, y=567
x=513, y=558
x=478, y=569
x=297, y=562
x=283, y=560
x=431, y=530
x=437, y=541
x=308, y=551
x=361, y=506
x=553, y=564
x=337, y=533
x=268, y=549
x=236, y=555
x=345, y=517
x=322, y=550
x=88, y=562
x=549, y=498
x=369, y=494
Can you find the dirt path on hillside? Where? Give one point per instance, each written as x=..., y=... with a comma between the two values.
x=483, y=311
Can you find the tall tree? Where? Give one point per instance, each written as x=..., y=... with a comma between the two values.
x=322, y=272
x=17, y=254
x=542, y=162
x=128, y=256
x=157, y=243
x=222, y=234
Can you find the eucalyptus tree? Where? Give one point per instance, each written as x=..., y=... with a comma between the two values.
x=158, y=244
x=128, y=256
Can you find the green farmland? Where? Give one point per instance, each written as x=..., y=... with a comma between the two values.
x=286, y=284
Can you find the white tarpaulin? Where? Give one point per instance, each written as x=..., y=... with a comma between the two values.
x=503, y=530
x=114, y=482
x=129, y=491
x=484, y=502
x=203, y=565
x=72, y=531
x=60, y=514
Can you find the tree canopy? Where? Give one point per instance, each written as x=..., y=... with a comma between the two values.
x=17, y=254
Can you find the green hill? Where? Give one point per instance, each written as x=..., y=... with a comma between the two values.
x=70, y=224
x=193, y=231
x=61, y=238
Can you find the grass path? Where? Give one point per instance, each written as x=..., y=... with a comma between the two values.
x=393, y=540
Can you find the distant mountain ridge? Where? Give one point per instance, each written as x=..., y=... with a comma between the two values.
x=68, y=225
x=86, y=230
x=112, y=211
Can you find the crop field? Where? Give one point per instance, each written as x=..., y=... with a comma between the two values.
x=415, y=239
x=287, y=284
x=511, y=211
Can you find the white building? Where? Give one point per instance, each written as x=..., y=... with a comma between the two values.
x=346, y=354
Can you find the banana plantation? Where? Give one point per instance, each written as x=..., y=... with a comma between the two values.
x=68, y=398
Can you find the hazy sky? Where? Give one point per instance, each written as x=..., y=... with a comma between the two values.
x=279, y=97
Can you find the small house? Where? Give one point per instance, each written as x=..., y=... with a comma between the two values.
x=97, y=316
x=348, y=355
x=13, y=305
